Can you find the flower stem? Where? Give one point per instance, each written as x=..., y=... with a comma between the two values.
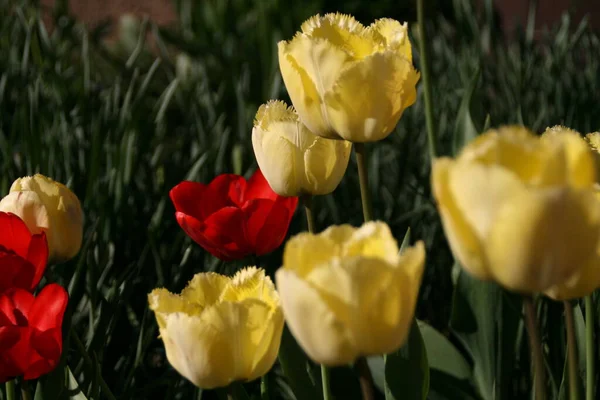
x=365, y=378
x=325, y=383
x=571, y=352
x=308, y=210
x=536, y=349
x=10, y=390
x=426, y=81
x=310, y=220
x=589, y=348
x=264, y=387
x=363, y=177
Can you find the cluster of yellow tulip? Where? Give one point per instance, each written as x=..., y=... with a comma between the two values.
x=518, y=209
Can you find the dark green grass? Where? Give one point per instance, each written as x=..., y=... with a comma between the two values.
x=122, y=124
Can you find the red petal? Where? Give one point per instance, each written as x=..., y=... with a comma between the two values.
x=257, y=211
x=14, y=234
x=258, y=188
x=49, y=307
x=39, y=367
x=226, y=229
x=9, y=336
x=15, y=359
x=225, y=190
x=38, y=256
x=274, y=229
x=194, y=229
x=21, y=302
x=186, y=198
x=47, y=344
x=15, y=272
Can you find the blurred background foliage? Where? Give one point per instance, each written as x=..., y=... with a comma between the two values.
x=123, y=121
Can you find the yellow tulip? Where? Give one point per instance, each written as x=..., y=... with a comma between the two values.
x=349, y=81
x=293, y=159
x=347, y=293
x=49, y=206
x=220, y=329
x=587, y=278
x=520, y=209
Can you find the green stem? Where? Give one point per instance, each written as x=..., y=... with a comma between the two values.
x=89, y=363
x=363, y=177
x=310, y=220
x=589, y=348
x=365, y=378
x=325, y=382
x=10, y=390
x=25, y=391
x=536, y=349
x=264, y=387
x=308, y=210
x=426, y=81
x=571, y=352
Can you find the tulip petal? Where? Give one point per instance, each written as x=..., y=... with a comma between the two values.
x=267, y=224
x=281, y=160
x=325, y=162
x=541, y=237
x=387, y=86
x=461, y=236
x=49, y=307
x=259, y=188
x=250, y=282
x=194, y=229
x=203, y=290
x=395, y=35
x=296, y=258
x=186, y=198
x=226, y=228
x=302, y=90
x=372, y=240
x=14, y=234
x=16, y=272
x=268, y=347
x=316, y=328
x=583, y=283
x=37, y=255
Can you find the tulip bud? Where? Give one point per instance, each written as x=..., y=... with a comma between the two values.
x=49, y=206
x=520, y=209
x=293, y=159
x=221, y=329
x=348, y=293
x=348, y=81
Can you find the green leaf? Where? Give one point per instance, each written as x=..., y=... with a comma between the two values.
x=464, y=129
x=60, y=384
x=295, y=366
x=486, y=319
x=407, y=370
x=580, y=339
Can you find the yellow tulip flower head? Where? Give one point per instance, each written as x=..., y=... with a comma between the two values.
x=587, y=277
x=520, y=209
x=221, y=329
x=49, y=206
x=347, y=293
x=293, y=159
x=349, y=81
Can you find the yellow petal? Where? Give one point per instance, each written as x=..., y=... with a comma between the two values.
x=163, y=302
x=541, y=237
x=312, y=323
x=29, y=207
x=372, y=240
x=251, y=283
x=583, y=283
x=326, y=161
x=579, y=163
x=205, y=289
x=268, y=347
x=319, y=62
x=394, y=34
x=479, y=191
x=306, y=251
x=370, y=95
x=461, y=236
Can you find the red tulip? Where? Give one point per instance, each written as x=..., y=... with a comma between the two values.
x=23, y=256
x=232, y=218
x=31, y=331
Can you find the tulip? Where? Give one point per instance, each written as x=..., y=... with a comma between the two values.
x=587, y=278
x=48, y=206
x=348, y=293
x=293, y=159
x=348, y=81
x=519, y=209
x=232, y=218
x=31, y=331
x=23, y=256
x=221, y=330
